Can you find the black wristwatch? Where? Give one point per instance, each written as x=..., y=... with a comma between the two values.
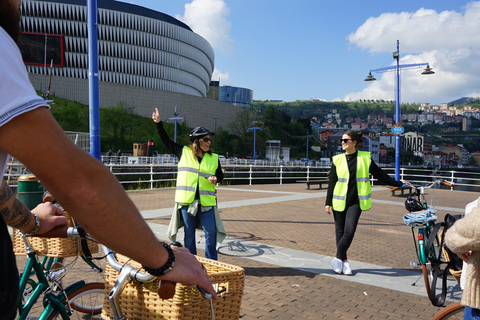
x=166, y=267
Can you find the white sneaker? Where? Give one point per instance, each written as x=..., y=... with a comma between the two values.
x=346, y=269
x=337, y=265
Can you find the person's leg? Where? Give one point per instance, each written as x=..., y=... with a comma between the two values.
x=207, y=219
x=345, y=235
x=339, y=217
x=190, y=223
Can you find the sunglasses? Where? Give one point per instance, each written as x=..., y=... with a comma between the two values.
x=207, y=139
x=345, y=140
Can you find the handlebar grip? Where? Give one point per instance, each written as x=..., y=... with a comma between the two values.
x=395, y=188
x=58, y=232
x=448, y=184
x=166, y=289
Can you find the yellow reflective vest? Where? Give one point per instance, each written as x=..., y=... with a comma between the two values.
x=362, y=176
x=192, y=173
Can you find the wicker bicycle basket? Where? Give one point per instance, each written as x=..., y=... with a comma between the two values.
x=53, y=247
x=455, y=274
x=140, y=301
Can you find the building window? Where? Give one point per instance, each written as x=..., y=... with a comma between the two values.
x=42, y=49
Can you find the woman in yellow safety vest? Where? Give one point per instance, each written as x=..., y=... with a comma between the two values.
x=199, y=170
x=349, y=194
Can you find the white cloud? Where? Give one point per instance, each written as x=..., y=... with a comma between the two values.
x=222, y=77
x=209, y=18
x=449, y=41
x=474, y=94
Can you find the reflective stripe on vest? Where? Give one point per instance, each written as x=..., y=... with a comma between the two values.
x=362, y=179
x=191, y=174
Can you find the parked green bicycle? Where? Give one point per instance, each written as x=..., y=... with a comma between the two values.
x=428, y=240
x=79, y=300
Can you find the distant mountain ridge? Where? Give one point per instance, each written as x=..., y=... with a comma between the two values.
x=461, y=101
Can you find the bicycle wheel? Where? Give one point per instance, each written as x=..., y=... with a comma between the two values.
x=79, y=268
x=452, y=311
x=85, y=303
x=432, y=268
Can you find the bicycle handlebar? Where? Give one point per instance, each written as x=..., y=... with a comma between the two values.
x=64, y=232
x=166, y=289
x=137, y=275
x=427, y=186
x=448, y=184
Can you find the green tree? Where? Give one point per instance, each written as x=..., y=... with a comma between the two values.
x=243, y=120
x=471, y=161
x=70, y=115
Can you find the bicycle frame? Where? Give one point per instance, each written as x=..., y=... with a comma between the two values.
x=53, y=299
x=423, y=233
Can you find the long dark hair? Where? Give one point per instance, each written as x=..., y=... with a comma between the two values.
x=355, y=136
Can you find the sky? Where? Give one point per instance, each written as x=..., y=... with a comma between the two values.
x=322, y=49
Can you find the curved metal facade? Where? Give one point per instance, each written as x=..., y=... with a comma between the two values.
x=137, y=46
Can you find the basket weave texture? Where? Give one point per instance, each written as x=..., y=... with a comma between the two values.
x=455, y=274
x=53, y=247
x=140, y=301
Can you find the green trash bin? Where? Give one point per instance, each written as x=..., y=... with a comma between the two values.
x=30, y=191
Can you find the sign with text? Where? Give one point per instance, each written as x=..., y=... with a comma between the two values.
x=397, y=129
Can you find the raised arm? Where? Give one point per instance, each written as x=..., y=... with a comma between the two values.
x=91, y=194
x=172, y=146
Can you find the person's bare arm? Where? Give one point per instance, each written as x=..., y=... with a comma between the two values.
x=91, y=194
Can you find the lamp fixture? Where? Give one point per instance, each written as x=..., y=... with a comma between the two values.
x=370, y=77
x=428, y=70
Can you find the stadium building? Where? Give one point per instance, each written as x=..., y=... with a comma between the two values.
x=146, y=59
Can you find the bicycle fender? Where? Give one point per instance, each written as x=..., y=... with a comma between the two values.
x=52, y=302
x=61, y=296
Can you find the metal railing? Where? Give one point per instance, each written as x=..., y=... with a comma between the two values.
x=155, y=172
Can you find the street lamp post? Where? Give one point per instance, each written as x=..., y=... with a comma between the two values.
x=176, y=118
x=398, y=129
x=93, y=91
x=254, y=128
x=308, y=138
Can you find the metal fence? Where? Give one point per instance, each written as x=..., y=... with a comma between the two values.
x=157, y=172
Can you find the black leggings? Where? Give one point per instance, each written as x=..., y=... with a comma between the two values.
x=345, y=226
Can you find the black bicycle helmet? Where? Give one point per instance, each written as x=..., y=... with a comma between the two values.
x=412, y=204
x=199, y=132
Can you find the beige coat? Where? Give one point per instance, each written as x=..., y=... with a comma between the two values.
x=462, y=237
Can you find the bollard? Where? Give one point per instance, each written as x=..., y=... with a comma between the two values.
x=29, y=191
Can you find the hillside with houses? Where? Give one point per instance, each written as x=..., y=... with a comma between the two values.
x=433, y=135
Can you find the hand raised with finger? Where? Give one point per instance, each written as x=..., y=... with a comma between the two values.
x=156, y=116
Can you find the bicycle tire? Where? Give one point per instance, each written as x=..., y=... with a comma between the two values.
x=86, y=302
x=430, y=268
x=452, y=312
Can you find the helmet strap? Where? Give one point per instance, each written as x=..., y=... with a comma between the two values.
x=200, y=148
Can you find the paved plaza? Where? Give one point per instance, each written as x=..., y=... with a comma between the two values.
x=282, y=237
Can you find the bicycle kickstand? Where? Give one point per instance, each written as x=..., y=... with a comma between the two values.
x=415, y=283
